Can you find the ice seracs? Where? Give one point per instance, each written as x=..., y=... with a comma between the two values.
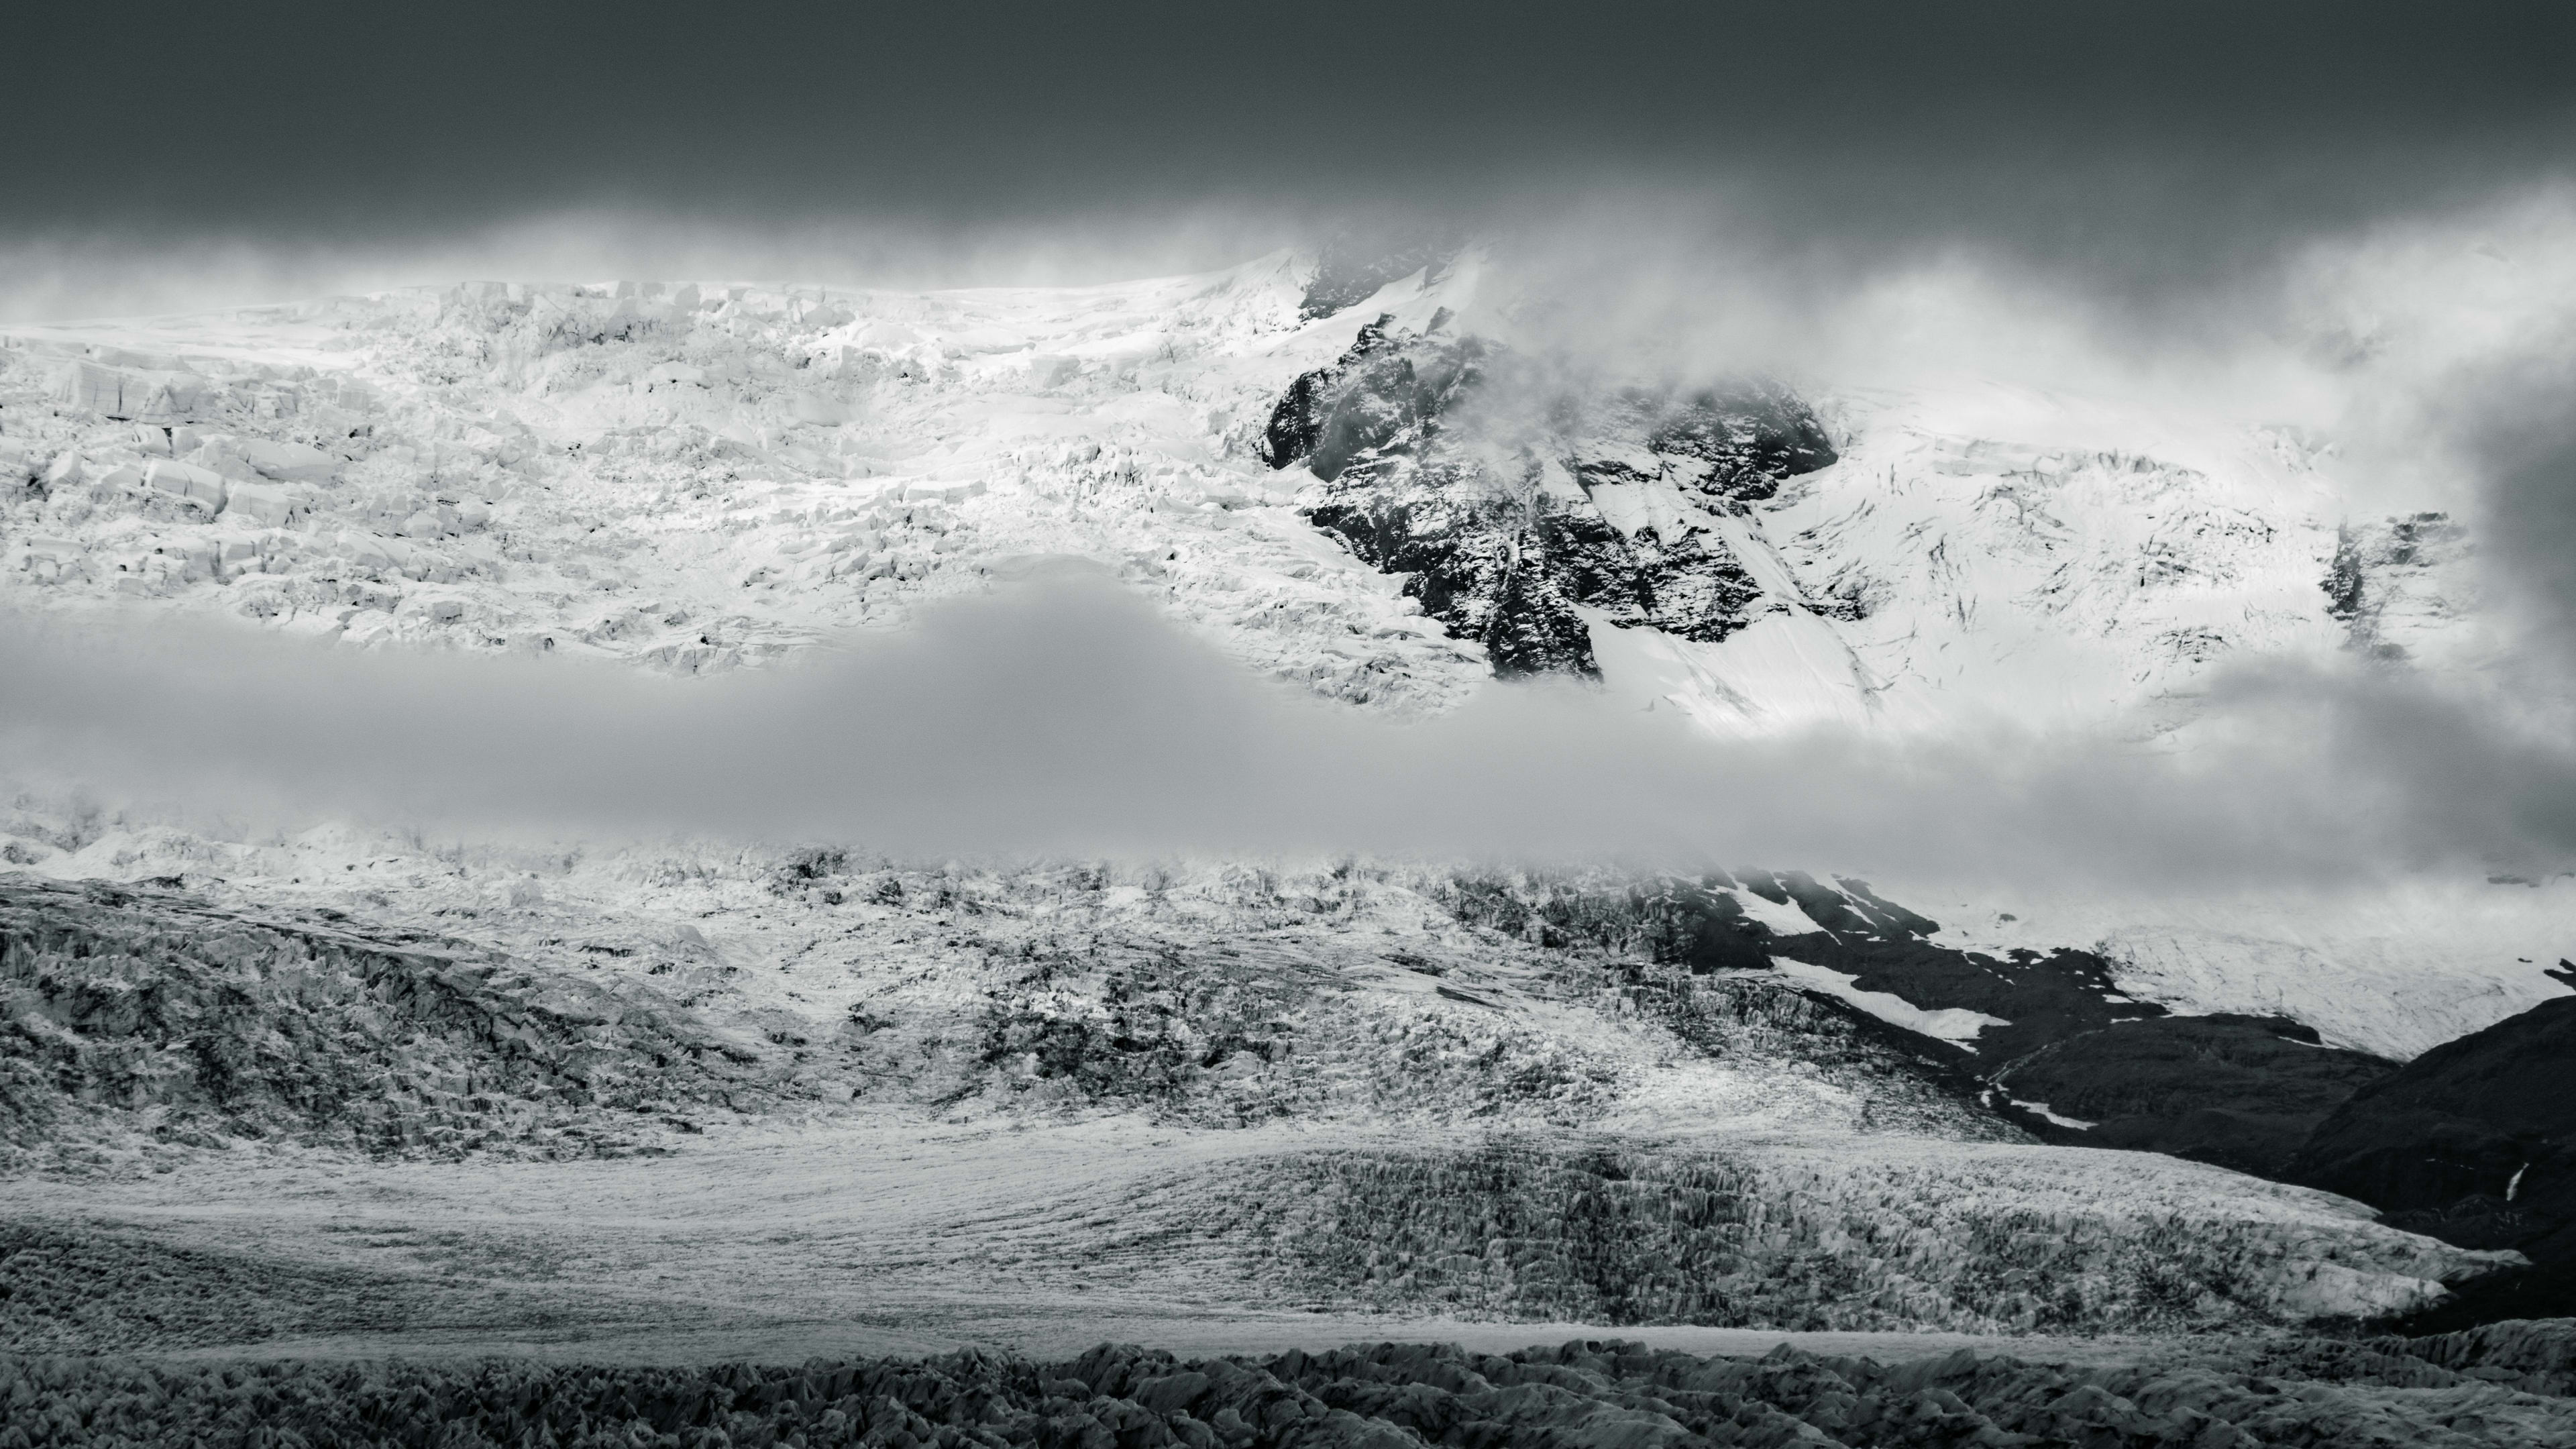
x=696, y=476
x=1366, y=480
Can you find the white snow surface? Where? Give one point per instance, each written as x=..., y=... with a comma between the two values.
x=2041, y=1108
x=2395, y=973
x=697, y=477
x=1951, y=1024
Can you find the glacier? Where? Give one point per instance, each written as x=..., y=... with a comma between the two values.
x=1371, y=484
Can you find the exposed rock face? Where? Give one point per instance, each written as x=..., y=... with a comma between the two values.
x=145, y=1010
x=2038, y=999
x=2240, y=1091
x=2386, y=583
x=1512, y=497
x=1882, y=947
x=1606, y=1394
x=2474, y=1141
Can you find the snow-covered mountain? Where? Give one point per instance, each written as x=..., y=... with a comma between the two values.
x=1512, y=502
x=698, y=476
x=1364, y=476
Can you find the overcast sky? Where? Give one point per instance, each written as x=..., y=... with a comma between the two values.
x=2143, y=144
x=1070, y=716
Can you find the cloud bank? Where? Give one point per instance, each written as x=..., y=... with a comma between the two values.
x=1068, y=717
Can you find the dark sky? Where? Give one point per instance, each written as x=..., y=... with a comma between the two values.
x=2138, y=136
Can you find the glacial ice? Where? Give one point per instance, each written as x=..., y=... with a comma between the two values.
x=605, y=468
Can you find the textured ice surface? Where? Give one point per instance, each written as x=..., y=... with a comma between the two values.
x=699, y=476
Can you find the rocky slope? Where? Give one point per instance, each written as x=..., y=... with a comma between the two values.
x=2459, y=1143
x=1511, y=501
x=2054, y=1034
x=2474, y=1142
x=2244, y=1092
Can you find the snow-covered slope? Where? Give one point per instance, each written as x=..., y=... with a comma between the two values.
x=698, y=476
x=694, y=477
x=1999, y=549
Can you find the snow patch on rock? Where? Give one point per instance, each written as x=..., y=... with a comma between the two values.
x=1951, y=1024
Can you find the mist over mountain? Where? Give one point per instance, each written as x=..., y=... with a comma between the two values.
x=906, y=692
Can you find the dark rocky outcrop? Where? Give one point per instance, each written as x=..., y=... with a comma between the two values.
x=1478, y=473
x=2543, y=1290
x=1392, y=387
x=2040, y=998
x=2241, y=1091
x=2473, y=1142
